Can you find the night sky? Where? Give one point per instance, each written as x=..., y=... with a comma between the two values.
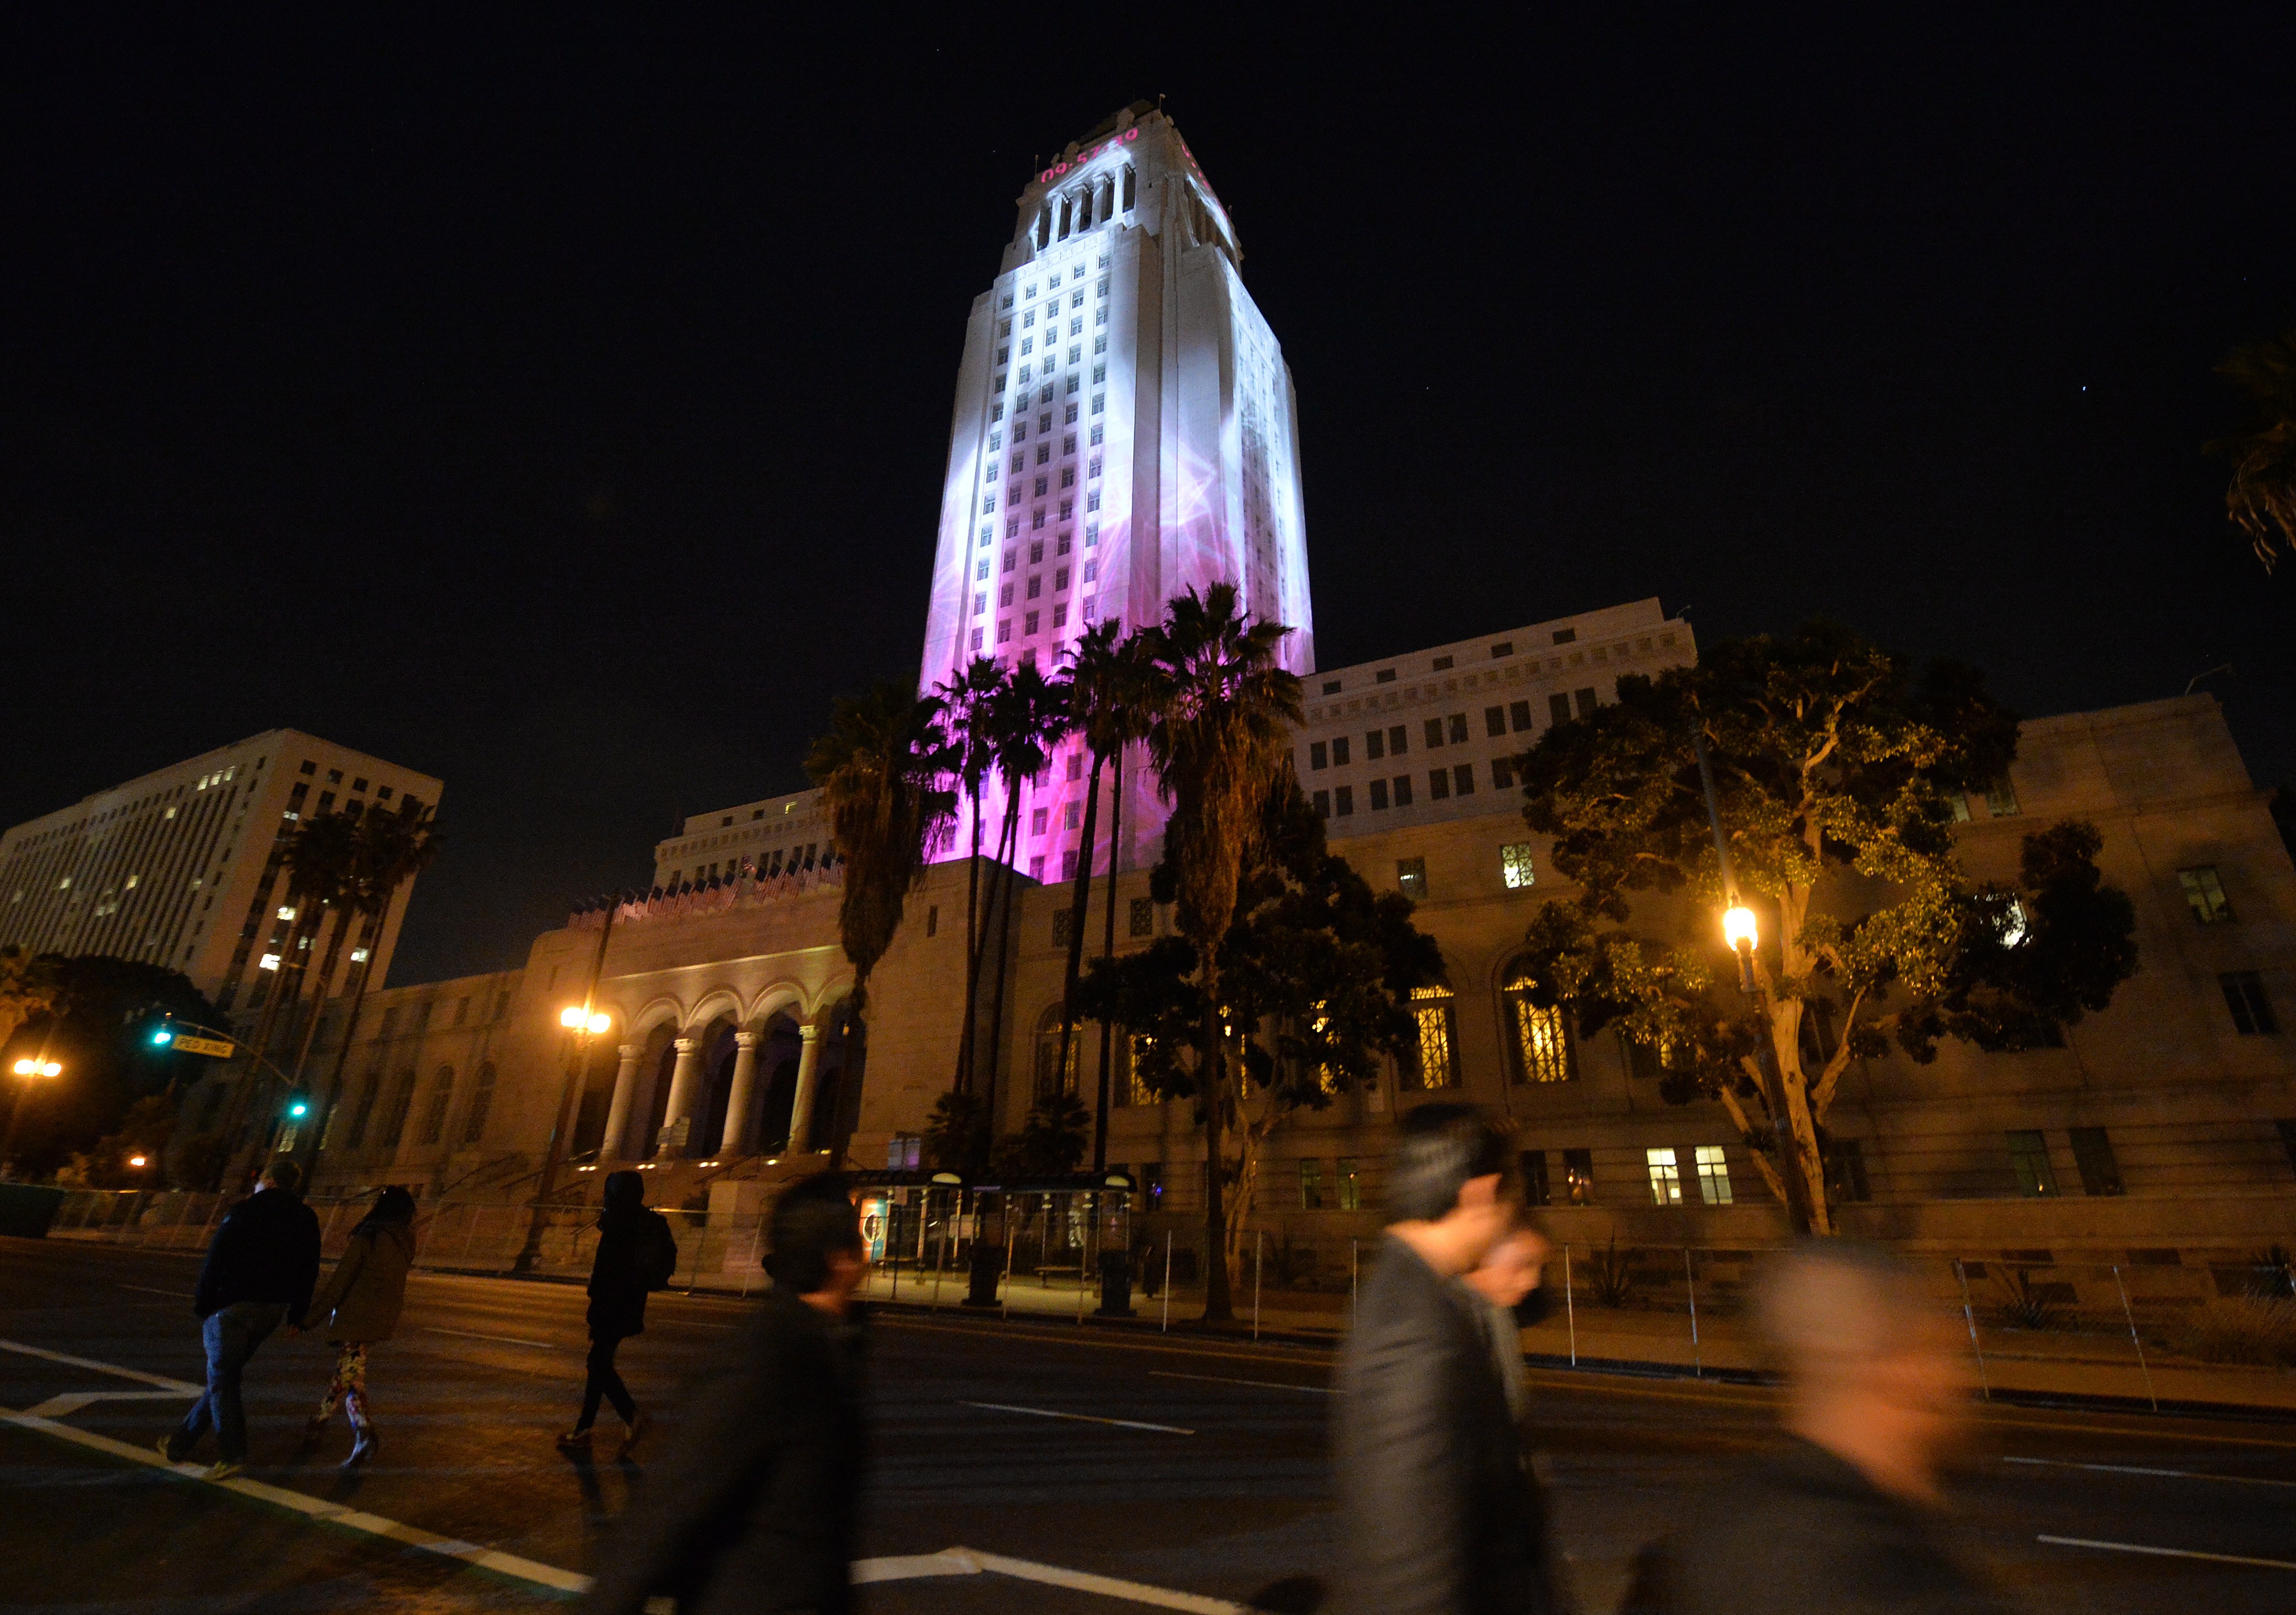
x=560, y=407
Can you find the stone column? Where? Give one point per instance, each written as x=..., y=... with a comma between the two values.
x=740, y=1099
x=685, y=1078
x=617, y=1113
x=808, y=1062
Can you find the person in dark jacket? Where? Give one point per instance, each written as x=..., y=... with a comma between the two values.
x=259, y=1270
x=632, y=1242
x=359, y=1308
x=1441, y=1515
x=1848, y=1514
x=759, y=1509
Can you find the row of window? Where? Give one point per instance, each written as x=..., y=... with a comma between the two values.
x=1442, y=786
x=390, y=1128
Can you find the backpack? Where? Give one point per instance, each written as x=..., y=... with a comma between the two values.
x=657, y=1252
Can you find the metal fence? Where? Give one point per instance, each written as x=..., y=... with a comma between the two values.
x=2181, y=1326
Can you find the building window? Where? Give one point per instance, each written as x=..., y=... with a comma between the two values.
x=1665, y=1177
x=2001, y=799
x=1441, y=664
x=1540, y=1037
x=1713, y=1174
x=2251, y=1011
x=1323, y=804
x=1319, y=755
x=1375, y=745
x=1519, y=715
x=1037, y=868
x=1515, y=866
x=474, y=1126
x=1343, y=800
x=1399, y=740
x=1434, y=732
x=1535, y=1189
x=1439, y=784
x=1845, y=1172
x=1579, y=1176
x=1339, y=758
x=1142, y=917
x=1505, y=648
x=1586, y=701
x=1031, y=625
x=1411, y=878
x=2029, y=1154
x=1462, y=779
x=1558, y=708
x=1495, y=721
x=1311, y=1185
x=1458, y=728
x=1052, y=1076
x=1039, y=821
x=1349, y=1182
x=2100, y=1171
x=1063, y=922
x=2205, y=895
x=1403, y=791
x=1503, y=774
x=1378, y=796
x=1432, y=1059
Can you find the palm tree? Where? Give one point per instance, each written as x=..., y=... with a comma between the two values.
x=1027, y=719
x=880, y=770
x=390, y=849
x=1106, y=684
x=1219, y=738
x=318, y=858
x=966, y=707
x=2261, y=500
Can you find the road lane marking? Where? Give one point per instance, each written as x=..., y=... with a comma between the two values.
x=181, y=1387
x=2163, y=1552
x=327, y=1513
x=2169, y=1474
x=1220, y=1378
x=72, y=1402
x=912, y=1566
x=1107, y=1586
x=181, y=1295
x=502, y=1339
x=1084, y=1418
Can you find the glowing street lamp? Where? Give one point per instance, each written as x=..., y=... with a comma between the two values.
x=1739, y=930
x=136, y=1161
x=581, y=1017
x=40, y=1068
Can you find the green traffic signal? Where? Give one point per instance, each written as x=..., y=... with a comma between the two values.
x=299, y=1106
x=163, y=1035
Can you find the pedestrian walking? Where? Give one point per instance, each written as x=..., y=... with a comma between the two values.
x=358, y=1307
x=636, y=1254
x=1442, y=1516
x=258, y=1272
x=759, y=1509
x=1847, y=1513
x=1509, y=1280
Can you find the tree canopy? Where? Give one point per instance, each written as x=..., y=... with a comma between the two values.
x=2261, y=499
x=1837, y=773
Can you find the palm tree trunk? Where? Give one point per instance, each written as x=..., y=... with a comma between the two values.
x=1009, y=851
x=963, y=1083
x=1107, y=953
x=1076, y=958
x=319, y=998
x=1220, y=1305
x=382, y=918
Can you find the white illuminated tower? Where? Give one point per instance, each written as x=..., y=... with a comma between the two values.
x=1124, y=430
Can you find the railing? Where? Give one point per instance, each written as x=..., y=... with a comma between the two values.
x=741, y=891
x=2212, y=1327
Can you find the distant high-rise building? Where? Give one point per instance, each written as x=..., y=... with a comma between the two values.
x=1125, y=431
x=185, y=867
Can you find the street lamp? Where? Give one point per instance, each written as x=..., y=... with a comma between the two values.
x=38, y=1068
x=1739, y=930
x=581, y=1018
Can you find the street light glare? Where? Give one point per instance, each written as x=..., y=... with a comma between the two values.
x=135, y=1161
x=1738, y=927
x=571, y=1016
x=38, y=1068
x=598, y=1022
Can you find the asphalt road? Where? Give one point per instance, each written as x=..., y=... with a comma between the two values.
x=1215, y=1483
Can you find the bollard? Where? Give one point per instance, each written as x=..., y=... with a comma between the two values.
x=1167, y=1280
x=2142, y=1367
x=1353, y=1263
x=1010, y=1232
x=1569, y=1307
x=1697, y=1364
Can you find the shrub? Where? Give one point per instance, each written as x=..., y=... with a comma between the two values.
x=2238, y=1329
x=2030, y=1305
x=1612, y=1272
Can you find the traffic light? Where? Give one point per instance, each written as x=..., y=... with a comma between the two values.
x=163, y=1035
x=299, y=1106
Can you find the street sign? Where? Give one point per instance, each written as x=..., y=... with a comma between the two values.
x=220, y=1048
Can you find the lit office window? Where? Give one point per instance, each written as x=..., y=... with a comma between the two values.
x=1713, y=1174
x=1665, y=1177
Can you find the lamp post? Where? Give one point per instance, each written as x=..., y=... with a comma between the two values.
x=36, y=1067
x=1740, y=931
x=582, y=1022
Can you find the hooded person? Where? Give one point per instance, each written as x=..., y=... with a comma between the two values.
x=636, y=1254
x=358, y=1307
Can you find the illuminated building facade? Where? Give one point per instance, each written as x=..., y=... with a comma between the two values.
x=1124, y=430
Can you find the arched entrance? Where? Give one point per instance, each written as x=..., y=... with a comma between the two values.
x=779, y=1048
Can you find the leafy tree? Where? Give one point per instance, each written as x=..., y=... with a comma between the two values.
x=880, y=768
x=1107, y=680
x=97, y=1025
x=28, y=988
x=1835, y=769
x=1314, y=973
x=2261, y=499
x=957, y=1134
x=1222, y=710
x=1051, y=1142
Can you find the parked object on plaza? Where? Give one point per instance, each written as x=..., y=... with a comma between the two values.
x=636, y=1254
x=1442, y=1515
x=758, y=1509
x=1847, y=1513
x=359, y=1307
x=259, y=1271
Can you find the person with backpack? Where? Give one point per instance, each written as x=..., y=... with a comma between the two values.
x=358, y=1306
x=636, y=1254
